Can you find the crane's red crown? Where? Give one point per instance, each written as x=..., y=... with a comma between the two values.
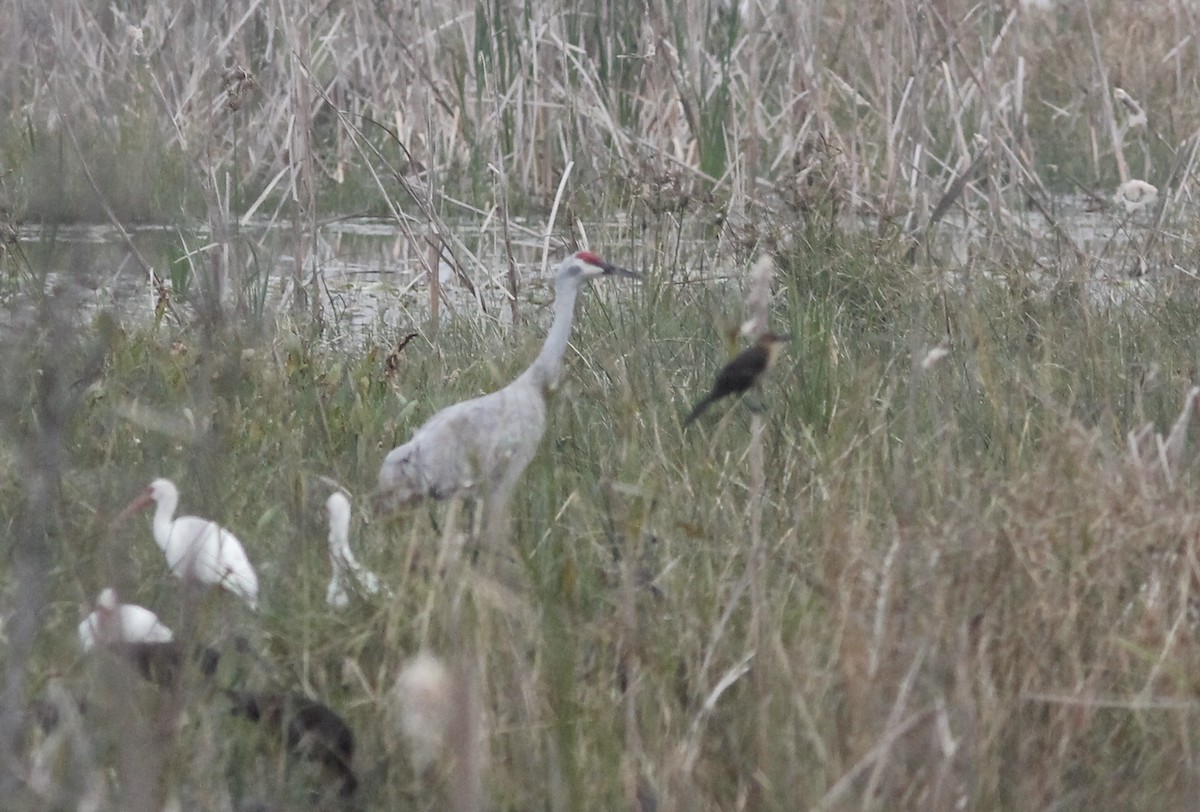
x=589, y=258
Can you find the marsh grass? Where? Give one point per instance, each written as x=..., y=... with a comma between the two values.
x=726, y=96
x=956, y=601
x=966, y=592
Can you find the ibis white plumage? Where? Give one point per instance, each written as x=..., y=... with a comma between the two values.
x=197, y=549
x=112, y=622
x=341, y=557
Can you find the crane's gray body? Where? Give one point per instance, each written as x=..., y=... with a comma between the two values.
x=479, y=448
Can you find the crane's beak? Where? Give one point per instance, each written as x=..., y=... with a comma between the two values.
x=616, y=270
x=139, y=504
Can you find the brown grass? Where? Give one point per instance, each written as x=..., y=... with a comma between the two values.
x=910, y=585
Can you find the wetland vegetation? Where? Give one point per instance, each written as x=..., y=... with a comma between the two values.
x=946, y=567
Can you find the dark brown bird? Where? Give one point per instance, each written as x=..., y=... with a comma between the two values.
x=306, y=727
x=743, y=372
x=163, y=663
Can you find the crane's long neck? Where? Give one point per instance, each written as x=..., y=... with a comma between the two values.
x=545, y=370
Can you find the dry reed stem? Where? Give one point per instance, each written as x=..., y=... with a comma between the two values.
x=1027, y=559
x=465, y=738
x=1109, y=115
x=560, y=94
x=758, y=294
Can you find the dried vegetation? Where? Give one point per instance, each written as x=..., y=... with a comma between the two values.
x=954, y=565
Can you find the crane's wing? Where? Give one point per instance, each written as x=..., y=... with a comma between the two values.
x=468, y=447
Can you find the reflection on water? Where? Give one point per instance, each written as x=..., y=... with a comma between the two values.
x=1119, y=251
x=371, y=278
x=373, y=282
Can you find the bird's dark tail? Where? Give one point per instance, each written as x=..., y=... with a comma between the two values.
x=697, y=411
x=243, y=704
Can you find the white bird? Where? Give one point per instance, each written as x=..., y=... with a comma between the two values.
x=112, y=623
x=341, y=557
x=197, y=549
x=478, y=448
x=1136, y=195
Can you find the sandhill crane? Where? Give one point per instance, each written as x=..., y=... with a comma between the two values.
x=478, y=448
x=112, y=622
x=197, y=549
x=743, y=372
x=341, y=557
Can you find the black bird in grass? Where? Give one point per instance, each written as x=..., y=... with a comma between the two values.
x=306, y=727
x=164, y=663
x=743, y=372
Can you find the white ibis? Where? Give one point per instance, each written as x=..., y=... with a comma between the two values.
x=112, y=622
x=197, y=549
x=480, y=447
x=341, y=557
